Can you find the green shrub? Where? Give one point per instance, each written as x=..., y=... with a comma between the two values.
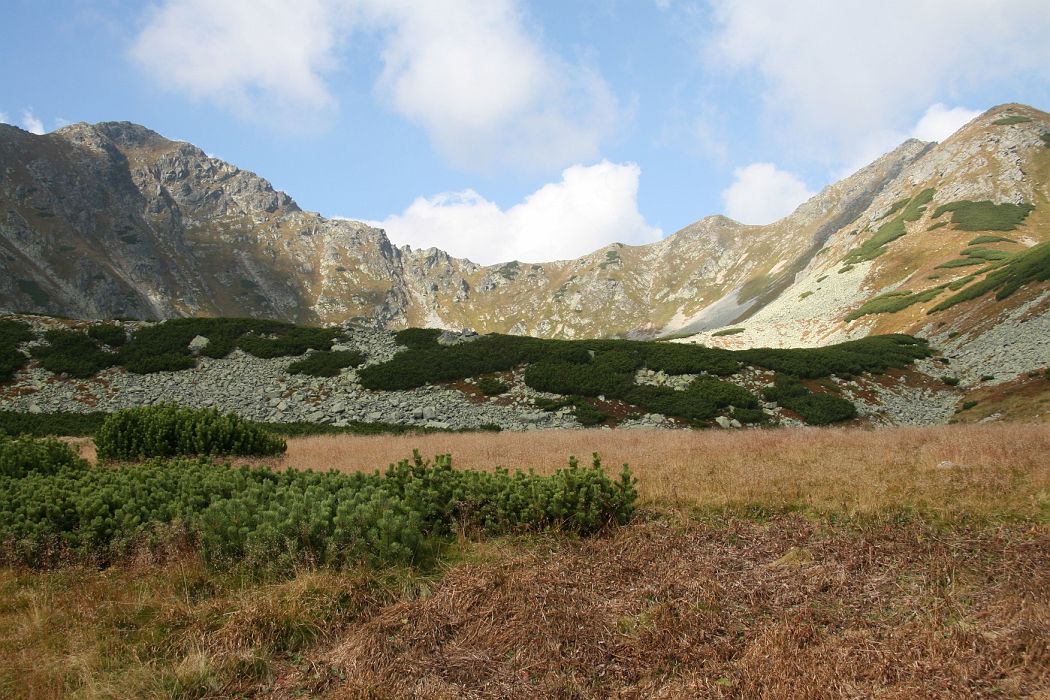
x=586, y=380
x=985, y=254
x=24, y=455
x=165, y=347
x=939, y=224
x=874, y=354
x=169, y=431
x=984, y=215
x=1031, y=265
x=815, y=409
x=72, y=353
x=418, y=337
x=893, y=302
x=959, y=262
x=1012, y=119
x=967, y=405
x=727, y=331
x=1046, y=139
x=492, y=387
x=275, y=521
x=108, y=334
x=895, y=207
x=981, y=240
x=326, y=363
x=950, y=381
x=43, y=424
x=916, y=207
x=12, y=334
x=568, y=368
x=676, y=358
x=875, y=246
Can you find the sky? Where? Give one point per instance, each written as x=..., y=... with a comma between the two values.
x=506, y=129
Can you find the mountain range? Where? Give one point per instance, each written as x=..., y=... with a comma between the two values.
x=114, y=220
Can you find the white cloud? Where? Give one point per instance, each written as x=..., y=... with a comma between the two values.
x=3, y=118
x=31, y=124
x=940, y=122
x=833, y=73
x=467, y=71
x=255, y=56
x=590, y=207
x=761, y=193
x=485, y=90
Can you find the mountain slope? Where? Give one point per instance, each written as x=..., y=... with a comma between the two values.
x=115, y=220
x=971, y=208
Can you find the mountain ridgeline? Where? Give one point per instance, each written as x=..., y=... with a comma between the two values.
x=113, y=220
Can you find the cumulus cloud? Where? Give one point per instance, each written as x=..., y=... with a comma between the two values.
x=469, y=72
x=591, y=206
x=940, y=122
x=832, y=73
x=761, y=193
x=31, y=123
x=487, y=91
x=256, y=56
x=4, y=118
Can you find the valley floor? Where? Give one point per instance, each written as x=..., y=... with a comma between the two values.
x=909, y=562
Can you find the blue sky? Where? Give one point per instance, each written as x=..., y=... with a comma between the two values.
x=499, y=129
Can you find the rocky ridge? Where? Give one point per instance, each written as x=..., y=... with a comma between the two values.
x=113, y=220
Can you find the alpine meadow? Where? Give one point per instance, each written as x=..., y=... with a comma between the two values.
x=522, y=426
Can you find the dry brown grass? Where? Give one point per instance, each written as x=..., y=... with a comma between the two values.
x=783, y=610
x=738, y=609
x=975, y=469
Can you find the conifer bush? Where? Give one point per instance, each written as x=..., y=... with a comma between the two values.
x=265, y=521
x=492, y=387
x=108, y=333
x=23, y=455
x=169, y=431
x=815, y=409
x=12, y=333
x=326, y=363
x=73, y=353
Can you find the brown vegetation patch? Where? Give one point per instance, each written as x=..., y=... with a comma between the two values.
x=729, y=611
x=1025, y=398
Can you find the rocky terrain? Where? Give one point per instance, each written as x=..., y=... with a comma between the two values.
x=263, y=390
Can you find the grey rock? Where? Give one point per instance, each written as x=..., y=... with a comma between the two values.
x=198, y=343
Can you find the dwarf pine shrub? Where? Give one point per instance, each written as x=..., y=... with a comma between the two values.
x=326, y=363
x=12, y=333
x=274, y=521
x=169, y=431
x=816, y=409
x=73, y=353
x=23, y=455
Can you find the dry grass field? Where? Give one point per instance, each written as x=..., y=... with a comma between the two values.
x=820, y=563
x=971, y=469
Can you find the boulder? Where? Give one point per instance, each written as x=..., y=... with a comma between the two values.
x=198, y=343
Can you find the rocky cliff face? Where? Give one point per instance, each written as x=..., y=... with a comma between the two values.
x=114, y=220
